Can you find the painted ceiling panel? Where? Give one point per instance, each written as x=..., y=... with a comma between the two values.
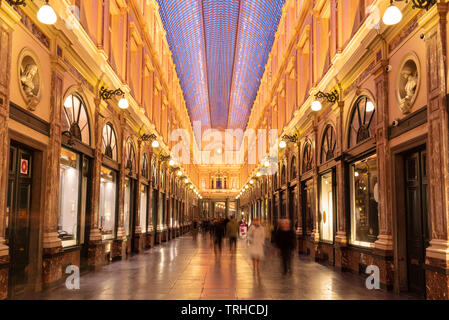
x=220, y=48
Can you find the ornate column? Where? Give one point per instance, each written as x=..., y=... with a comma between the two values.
x=437, y=254
x=137, y=236
x=52, y=245
x=120, y=242
x=341, y=237
x=315, y=236
x=96, y=249
x=383, y=247
x=8, y=18
x=299, y=230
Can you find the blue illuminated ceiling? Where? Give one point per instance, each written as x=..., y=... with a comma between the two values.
x=220, y=48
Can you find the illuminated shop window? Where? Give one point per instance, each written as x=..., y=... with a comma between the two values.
x=364, y=202
x=293, y=169
x=75, y=119
x=307, y=198
x=109, y=146
x=143, y=207
x=108, y=193
x=69, y=184
x=326, y=207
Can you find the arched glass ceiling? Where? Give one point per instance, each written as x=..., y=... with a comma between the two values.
x=220, y=48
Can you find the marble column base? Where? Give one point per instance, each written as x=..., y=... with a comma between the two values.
x=149, y=240
x=51, y=265
x=139, y=242
x=437, y=279
x=158, y=237
x=96, y=255
x=164, y=236
x=118, y=249
x=4, y=273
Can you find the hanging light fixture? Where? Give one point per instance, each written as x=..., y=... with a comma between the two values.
x=316, y=106
x=171, y=163
x=46, y=14
x=282, y=144
x=123, y=103
x=392, y=15
x=267, y=164
x=155, y=144
x=370, y=106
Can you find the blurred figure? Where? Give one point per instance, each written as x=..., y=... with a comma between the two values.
x=219, y=232
x=195, y=227
x=232, y=231
x=256, y=237
x=285, y=240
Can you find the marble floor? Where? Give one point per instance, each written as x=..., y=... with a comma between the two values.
x=184, y=269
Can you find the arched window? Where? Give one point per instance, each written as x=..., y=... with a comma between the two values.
x=109, y=142
x=283, y=175
x=361, y=126
x=75, y=119
x=162, y=179
x=130, y=155
x=144, y=171
x=293, y=169
x=154, y=170
x=307, y=157
x=328, y=144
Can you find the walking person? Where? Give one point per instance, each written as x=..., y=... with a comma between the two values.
x=219, y=233
x=256, y=237
x=285, y=241
x=195, y=227
x=232, y=231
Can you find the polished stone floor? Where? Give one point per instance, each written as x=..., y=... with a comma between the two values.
x=183, y=269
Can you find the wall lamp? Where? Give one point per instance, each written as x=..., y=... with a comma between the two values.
x=393, y=15
x=106, y=94
x=331, y=97
x=291, y=138
x=46, y=13
x=17, y=2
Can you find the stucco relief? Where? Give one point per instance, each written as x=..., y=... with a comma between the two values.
x=30, y=79
x=408, y=83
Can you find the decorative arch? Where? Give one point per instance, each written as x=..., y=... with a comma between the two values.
x=307, y=157
x=109, y=144
x=75, y=118
x=361, y=124
x=145, y=169
x=328, y=144
x=130, y=155
x=293, y=168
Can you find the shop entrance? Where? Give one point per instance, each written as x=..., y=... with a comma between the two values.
x=18, y=216
x=417, y=231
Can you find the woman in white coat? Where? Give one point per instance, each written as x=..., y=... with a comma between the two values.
x=256, y=237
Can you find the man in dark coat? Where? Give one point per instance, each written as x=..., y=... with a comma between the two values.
x=285, y=241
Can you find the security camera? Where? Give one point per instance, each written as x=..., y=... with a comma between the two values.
x=395, y=123
x=388, y=68
x=422, y=36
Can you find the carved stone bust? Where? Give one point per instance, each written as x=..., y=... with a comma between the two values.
x=29, y=79
x=408, y=84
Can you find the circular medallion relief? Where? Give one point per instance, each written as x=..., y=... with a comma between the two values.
x=30, y=78
x=408, y=83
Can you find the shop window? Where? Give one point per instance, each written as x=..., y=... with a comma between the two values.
x=130, y=154
x=143, y=207
x=75, y=119
x=108, y=192
x=162, y=175
x=326, y=207
x=293, y=170
x=362, y=121
x=307, y=199
x=328, y=144
x=109, y=146
x=307, y=157
x=283, y=175
x=364, y=202
x=69, y=197
x=144, y=171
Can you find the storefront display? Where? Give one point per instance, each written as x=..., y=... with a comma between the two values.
x=108, y=198
x=143, y=207
x=69, y=197
x=326, y=208
x=364, y=202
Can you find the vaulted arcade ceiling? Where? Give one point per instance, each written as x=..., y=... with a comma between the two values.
x=220, y=48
